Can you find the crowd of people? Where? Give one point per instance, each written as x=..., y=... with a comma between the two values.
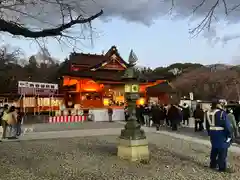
x=10, y=120
x=159, y=115
x=174, y=116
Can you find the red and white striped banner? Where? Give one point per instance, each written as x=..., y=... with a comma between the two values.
x=67, y=119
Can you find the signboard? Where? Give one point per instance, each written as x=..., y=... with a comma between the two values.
x=36, y=88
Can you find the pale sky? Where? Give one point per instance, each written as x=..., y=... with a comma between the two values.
x=162, y=42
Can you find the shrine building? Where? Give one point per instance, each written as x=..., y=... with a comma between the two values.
x=95, y=81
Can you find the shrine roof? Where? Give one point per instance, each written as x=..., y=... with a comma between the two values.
x=98, y=75
x=106, y=75
x=93, y=60
x=164, y=87
x=89, y=60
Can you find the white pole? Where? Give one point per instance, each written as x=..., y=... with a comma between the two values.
x=52, y=102
x=49, y=104
x=38, y=107
x=24, y=107
x=34, y=109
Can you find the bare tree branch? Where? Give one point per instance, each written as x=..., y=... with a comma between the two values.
x=15, y=29
x=234, y=8
x=207, y=21
x=172, y=6
x=198, y=6
x=225, y=7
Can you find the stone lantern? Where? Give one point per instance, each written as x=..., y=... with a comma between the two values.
x=133, y=144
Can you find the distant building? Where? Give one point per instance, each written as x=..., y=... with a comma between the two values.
x=217, y=67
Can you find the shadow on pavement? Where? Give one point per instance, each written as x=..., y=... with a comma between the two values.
x=35, y=119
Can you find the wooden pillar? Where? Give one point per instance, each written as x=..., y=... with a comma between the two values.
x=80, y=92
x=101, y=96
x=65, y=99
x=35, y=105
x=50, y=104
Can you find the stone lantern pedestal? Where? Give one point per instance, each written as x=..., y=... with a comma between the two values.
x=133, y=145
x=133, y=150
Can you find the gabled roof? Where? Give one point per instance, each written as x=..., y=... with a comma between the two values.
x=89, y=60
x=154, y=77
x=110, y=55
x=113, y=50
x=95, y=60
x=164, y=87
x=64, y=70
x=98, y=75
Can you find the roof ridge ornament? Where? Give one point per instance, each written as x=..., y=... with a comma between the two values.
x=132, y=59
x=130, y=71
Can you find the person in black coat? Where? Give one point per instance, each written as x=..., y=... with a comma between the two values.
x=138, y=114
x=162, y=114
x=155, y=116
x=186, y=114
x=146, y=115
x=174, y=116
x=110, y=114
x=167, y=121
x=126, y=113
x=198, y=115
x=141, y=109
x=19, y=121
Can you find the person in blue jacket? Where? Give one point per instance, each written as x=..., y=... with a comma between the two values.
x=219, y=129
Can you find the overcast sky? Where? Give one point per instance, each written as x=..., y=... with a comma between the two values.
x=157, y=37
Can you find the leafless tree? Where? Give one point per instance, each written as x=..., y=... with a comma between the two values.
x=211, y=9
x=207, y=84
x=45, y=18
x=9, y=54
x=207, y=20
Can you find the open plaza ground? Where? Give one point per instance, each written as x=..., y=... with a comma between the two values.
x=95, y=157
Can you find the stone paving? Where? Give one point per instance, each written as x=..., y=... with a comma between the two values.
x=89, y=152
x=189, y=131
x=94, y=158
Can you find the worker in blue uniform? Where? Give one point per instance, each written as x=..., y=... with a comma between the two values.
x=219, y=129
